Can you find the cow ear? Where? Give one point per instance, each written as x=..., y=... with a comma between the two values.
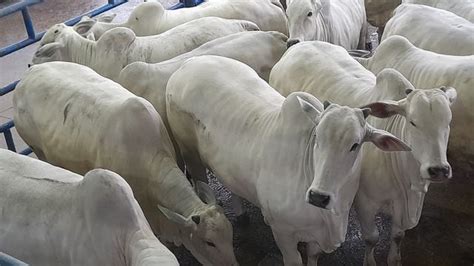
x=47, y=52
x=308, y=109
x=91, y=36
x=84, y=25
x=366, y=112
x=196, y=219
x=387, y=108
x=384, y=140
x=175, y=217
x=451, y=93
x=106, y=18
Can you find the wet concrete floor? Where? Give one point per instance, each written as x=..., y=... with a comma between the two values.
x=443, y=237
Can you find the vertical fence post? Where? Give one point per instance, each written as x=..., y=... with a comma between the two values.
x=30, y=29
x=9, y=140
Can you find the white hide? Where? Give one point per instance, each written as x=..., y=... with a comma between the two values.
x=74, y=118
x=341, y=22
x=50, y=216
x=120, y=47
x=380, y=11
x=151, y=18
x=260, y=50
x=432, y=29
x=426, y=69
x=462, y=8
x=397, y=179
x=275, y=152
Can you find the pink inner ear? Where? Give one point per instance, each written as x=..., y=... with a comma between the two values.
x=388, y=143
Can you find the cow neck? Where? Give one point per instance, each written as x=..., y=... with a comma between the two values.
x=81, y=50
x=171, y=19
x=405, y=174
x=324, y=25
x=308, y=158
x=175, y=191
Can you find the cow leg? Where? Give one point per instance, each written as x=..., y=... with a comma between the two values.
x=242, y=217
x=363, y=38
x=195, y=168
x=314, y=251
x=396, y=237
x=366, y=215
x=380, y=32
x=289, y=248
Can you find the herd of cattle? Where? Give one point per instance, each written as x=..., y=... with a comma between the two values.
x=295, y=125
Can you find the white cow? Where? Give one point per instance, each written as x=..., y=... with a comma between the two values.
x=432, y=29
x=74, y=118
x=280, y=154
x=399, y=180
x=151, y=18
x=342, y=22
x=260, y=50
x=120, y=47
x=462, y=8
x=50, y=216
x=426, y=69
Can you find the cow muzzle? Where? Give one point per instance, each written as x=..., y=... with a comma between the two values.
x=439, y=174
x=318, y=199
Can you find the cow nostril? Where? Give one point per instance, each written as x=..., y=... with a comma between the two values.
x=432, y=171
x=292, y=42
x=319, y=200
x=446, y=170
x=439, y=170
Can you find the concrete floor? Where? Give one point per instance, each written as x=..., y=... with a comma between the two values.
x=444, y=236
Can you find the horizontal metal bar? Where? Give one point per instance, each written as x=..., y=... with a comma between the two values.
x=6, y=126
x=26, y=151
x=10, y=87
x=17, y=7
x=186, y=3
x=6, y=260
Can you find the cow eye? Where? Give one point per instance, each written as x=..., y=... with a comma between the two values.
x=413, y=124
x=210, y=244
x=310, y=14
x=354, y=147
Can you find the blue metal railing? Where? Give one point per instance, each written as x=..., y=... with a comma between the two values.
x=5, y=128
x=6, y=260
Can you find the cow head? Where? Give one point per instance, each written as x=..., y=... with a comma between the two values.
x=210, y=232
x=53, y=34
x=303, y=16
x=334, y=146
x=427, y=116
x=52, y=46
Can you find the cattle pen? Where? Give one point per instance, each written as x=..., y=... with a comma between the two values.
x=444, y=235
